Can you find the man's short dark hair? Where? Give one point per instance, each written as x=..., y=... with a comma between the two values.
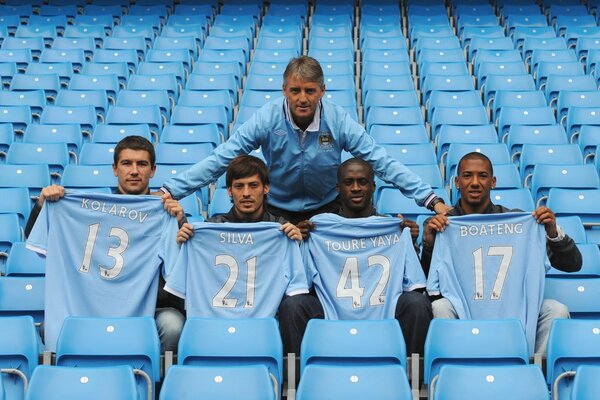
x=245, y=166
x=474, y=155
x=304, y=68
x=134, y=143
x=359, y=161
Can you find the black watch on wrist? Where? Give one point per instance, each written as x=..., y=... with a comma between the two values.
x=434, y=202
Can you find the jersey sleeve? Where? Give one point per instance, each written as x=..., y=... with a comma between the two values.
x=309, y=267
x=176, y=279
x=414, y=277
x=296, y=272
x=169, y=246
x=38, y=238
x=437, y=259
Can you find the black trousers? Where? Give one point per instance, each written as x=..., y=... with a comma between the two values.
x=413, y=312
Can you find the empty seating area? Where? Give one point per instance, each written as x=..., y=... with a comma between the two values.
x=430, y=80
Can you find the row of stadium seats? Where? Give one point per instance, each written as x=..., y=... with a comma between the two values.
x=349, y=358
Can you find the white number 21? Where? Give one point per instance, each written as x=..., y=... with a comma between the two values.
x=506, y=253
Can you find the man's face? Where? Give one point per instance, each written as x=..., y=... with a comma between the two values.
x=248, y=195
x=133, y=171
x=475, y=181
x=356, y=188
x=303, y=97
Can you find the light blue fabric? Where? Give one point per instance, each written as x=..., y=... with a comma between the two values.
x=232, y=270
x=361, y=266
x=492, y=266
x=125, y=240
x=302, y=171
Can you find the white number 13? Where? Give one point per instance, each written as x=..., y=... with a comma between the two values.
x=114, y=252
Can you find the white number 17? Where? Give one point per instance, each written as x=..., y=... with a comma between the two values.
x=506, y=253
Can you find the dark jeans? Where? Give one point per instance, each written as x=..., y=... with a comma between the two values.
x=296, y=216
x=413, y=312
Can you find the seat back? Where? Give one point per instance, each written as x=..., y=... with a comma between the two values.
x=572, y=342
x=18, y=350
x=66, y=383
x=95, y=342
x=518, y=382
x=474, y=342
x=354, y=382
x=183, y=382
x=222, y=342
x=345, y=343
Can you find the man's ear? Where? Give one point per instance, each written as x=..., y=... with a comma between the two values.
x=493, y=182
x=266, y=189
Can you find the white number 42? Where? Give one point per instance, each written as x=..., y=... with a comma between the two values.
x=355, y=291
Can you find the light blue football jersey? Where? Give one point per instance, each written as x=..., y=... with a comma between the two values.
x=361, y=266
x=233, y=270
x=492, y=266
x=103, y=255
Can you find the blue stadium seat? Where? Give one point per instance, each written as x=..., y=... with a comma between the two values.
x=520, y=135
x=96, y=342
x=463, y=133
x=63, y=69
x=22, y=296
x=35, y=177
x=114, y=133
x=590, y=268
x=143, y=114
x=580, y=116
x=338, y=343
x=118, y=69
x=392, y=202
x=208, y=133
x=354, y=382
x=575, y=98
x=35, y=99
x=475, y=343
x=109, y=83
x=523, y=382
x=394, y=116
x=55, y=155
x=547, y=176
x=405, y=134
x=513, y=198
x=54, y=383
x=24, y=262
x=509, y=116
x=83, y=37
x=493, y=83
x=75, y=56
x=534, y=154
x=557, y=83
x=188, y=115
x=221, y=342
x=122, y=50
x=250, y=382
x=461, y=116
x=571, y=343
x=49, y=83
x=510, y=98
x=135, y=98
x=172, y=153
x=19, y=354
x=97, y=154
x=585, y=383
x=495, y=68
x=88, y=176
x=220, y=203
x=85, y=116
x=197, y=81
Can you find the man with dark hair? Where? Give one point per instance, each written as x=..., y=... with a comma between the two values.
x=247, y=181
x=267, y=264
x=302, y=137
x=475, y=179
x=134, y=166
x=356, y=186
